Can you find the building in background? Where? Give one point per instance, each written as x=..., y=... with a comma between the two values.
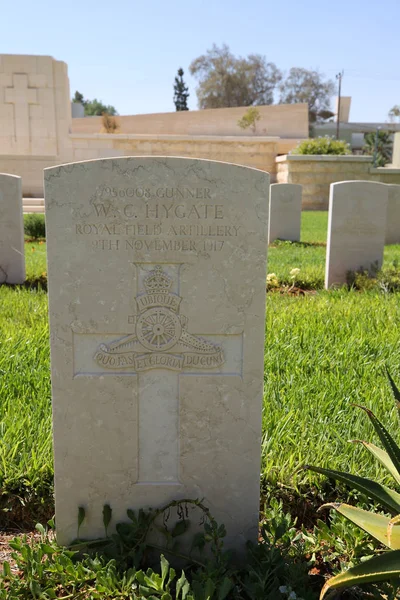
x=353, y=133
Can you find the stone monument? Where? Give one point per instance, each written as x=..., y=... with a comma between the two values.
x=157, y=273
x=356, y=229
x=285, y=212
x=12, y=252
x=393, y=216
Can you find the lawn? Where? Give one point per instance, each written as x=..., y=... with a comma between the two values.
x=324, y=352
x=308, y=255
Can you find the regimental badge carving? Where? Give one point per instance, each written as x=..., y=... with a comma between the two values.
x=160, y=339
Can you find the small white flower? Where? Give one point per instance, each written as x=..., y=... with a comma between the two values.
x=292, y=596
x=283, y=589
x=294, y=272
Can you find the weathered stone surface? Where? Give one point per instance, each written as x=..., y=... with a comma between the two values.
x=285, y=212
x=12, y=257
x=356, y=228
x=157, y=297
x=393, y=216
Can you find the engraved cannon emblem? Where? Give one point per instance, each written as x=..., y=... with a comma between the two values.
x=159, y=328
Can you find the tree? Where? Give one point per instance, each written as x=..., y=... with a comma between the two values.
x=250, y=118
x=226, y=80
x=78, y=98
x=394, y=113
x=181, y=92
x=303, y=85
x=94, y=107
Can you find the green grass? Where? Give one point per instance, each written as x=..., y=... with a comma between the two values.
x=314, y=226
x=25, y=411
x=35, y=261
x=323, y=352
x=309, y=255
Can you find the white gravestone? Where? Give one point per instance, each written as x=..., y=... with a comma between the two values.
x=285, y=212
x=12, y=257
x=356, y=228
x=157, y=300
x=393, y=216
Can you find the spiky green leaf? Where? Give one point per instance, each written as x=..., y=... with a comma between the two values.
x=380, y=568
x=395, y=391
x=388, y=442
x=383, y=458
x=374, y=524
x=386, y=497
x=393, y=531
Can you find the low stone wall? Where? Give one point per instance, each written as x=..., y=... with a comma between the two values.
x=257, y=152
x=30, y=168
x=315, y=173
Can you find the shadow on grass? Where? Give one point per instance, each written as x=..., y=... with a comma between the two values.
x=279, y=243
x=34, y=283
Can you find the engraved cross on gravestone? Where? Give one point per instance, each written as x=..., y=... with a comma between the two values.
x=158, y=352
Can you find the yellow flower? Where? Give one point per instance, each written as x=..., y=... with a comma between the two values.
x=272, y=280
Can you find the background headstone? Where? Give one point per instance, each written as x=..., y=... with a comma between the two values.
x=285, y=212
x=393, y=215
x=12, y=254
x=356, y=228
x=157, y=273
x=396, y=151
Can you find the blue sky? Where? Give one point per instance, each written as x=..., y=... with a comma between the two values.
x=127, y=53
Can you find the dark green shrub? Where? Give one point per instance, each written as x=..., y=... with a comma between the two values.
x=322, y=145
x=34, y=226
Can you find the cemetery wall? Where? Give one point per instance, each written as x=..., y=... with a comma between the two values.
x=316, y=173
x=283, y=120
x=30, y=169
x=258, y=152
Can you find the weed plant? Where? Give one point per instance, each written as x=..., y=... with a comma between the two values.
x=34, y=226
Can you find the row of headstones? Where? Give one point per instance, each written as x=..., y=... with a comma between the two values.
x=363, y=217
x=156, y=272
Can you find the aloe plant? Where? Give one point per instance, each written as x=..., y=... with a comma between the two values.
x=385, y=529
